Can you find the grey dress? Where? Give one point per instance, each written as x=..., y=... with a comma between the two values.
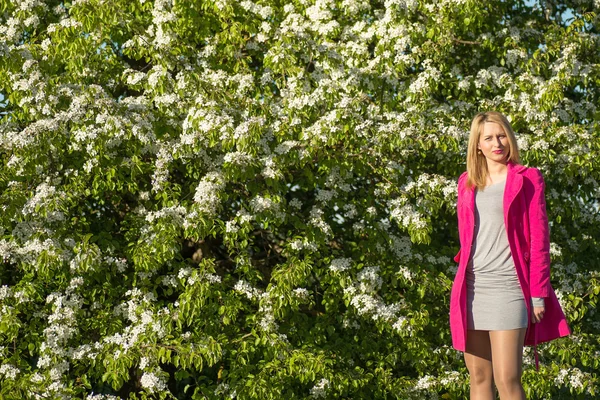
x=495, y=300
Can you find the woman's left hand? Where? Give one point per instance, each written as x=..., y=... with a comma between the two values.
x=537, y=314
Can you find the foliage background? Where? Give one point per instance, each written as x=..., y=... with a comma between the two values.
x=223, y=199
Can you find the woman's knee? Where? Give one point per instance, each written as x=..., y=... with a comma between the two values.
x=507, y=380
x=480, y=375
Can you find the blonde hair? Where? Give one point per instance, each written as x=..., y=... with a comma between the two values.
x=477, y=170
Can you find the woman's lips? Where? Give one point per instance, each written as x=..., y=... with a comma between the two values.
x=498, y=151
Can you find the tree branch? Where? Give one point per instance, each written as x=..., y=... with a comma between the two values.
x=456, y=40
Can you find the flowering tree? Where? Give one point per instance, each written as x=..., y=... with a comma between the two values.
x=227, y=199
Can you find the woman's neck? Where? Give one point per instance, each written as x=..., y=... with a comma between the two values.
x=496, y=171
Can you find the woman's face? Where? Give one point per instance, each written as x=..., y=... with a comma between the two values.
x=493, y=143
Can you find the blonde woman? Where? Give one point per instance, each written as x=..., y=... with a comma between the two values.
x=501, y=298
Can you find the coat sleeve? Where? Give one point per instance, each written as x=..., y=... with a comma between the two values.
x=539, y=252
x=459, y=200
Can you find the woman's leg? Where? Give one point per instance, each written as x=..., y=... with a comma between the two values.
x=507, y=356
x=478, y=358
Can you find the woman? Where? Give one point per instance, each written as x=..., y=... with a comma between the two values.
x=501, y=297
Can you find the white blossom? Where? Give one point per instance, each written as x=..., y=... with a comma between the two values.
x=207, y=192
x=231, y=226
x=93, y=396
x=152, y=383
x=244, y=288
x=42, y=193
x=340, y=264
x=260, y=204
x=425, y=383
x=320, y=389
x=301, y=293
x=297, y=204
x=9, y=371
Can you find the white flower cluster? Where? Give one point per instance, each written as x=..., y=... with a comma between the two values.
x=156, y=75
x=5, y=292
x=285, y=147
x=406, y=214
x=402, y=324
x=571, y=279
x=170, y=280
x=247, y=290
x=133, y=77
x=62, y=327
x=9, y=371
x=242, y=217
x=86, y=351
x=210, y=278
x=431, y=259
x=33, y=248
x=301, y=293
x=119, y=263
x=320, y=389
x=267, y=322
x=164, y=157
x=153, y=383
x=405, y=273
x=317, y=220
x=244, y=128
x=173, y=213
x=340, y=264
x=271, y=169
x=335, y=180
x=265, y=306
x=432, y=183
x=263, y=11
x=513, y=56
x=369, y=279
x=231, y=226
x=62, y=322
x=43, y=192
x=145, y=322
x=425, y=383
x=161, y=16
x=426, y=79
x=352, y=212
x=492, y=76
x=6, y=250
x=364, y=298
x=427, y=189
x=93, y=396
x=303, y=244
x=325, y=196
x=297, y=204
x=573, y=377
x=239, y=158
x=207, y=192
x=370, y=305
x=260, y=204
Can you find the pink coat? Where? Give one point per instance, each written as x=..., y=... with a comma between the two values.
x=526, y=225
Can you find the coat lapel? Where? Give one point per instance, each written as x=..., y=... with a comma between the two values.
x=514, y=184
x=468, y=198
